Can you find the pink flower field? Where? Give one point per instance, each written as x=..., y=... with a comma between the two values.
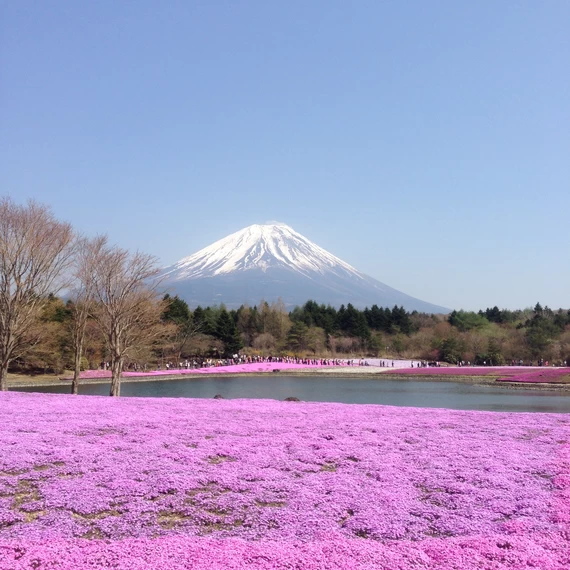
x=96, y=482
x=540, y=375
x=529, y=374
x=494, y=371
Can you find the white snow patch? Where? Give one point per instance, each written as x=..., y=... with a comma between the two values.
x=260, y=247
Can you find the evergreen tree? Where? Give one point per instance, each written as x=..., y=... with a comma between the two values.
x=353, y=323
x=494, y=315
x=340, y=318
x=541, y=333
x=176, y=310
x=467, y=320
x=451, y=350
x=210, y=320
x=199, y=316
x=226, y=330
x=297, y=337
x=385, y=320
x=495, y=353
x=401, y=320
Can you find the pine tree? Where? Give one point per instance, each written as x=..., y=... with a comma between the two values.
x=227, y=332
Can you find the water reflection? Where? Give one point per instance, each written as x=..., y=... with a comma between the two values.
x=454, y=395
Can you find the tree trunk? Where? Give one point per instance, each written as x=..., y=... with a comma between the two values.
x=4, y=376
x=76, y=373
x=116, y=369
x=80, y=315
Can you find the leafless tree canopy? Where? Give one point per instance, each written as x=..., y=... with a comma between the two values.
x=82, y=300
x=128, y=311
x=35, y=251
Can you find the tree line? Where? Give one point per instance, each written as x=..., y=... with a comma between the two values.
x=113, y=312
x=492, y=336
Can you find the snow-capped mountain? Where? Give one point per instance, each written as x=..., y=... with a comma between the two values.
x=273, y=261
x=260, y=247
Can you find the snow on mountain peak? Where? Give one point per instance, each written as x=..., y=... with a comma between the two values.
x=260, y=246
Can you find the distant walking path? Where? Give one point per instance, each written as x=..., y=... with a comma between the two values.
x=246, y=368
x=361, y=366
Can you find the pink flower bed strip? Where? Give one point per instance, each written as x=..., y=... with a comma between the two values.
x=176, y=483
x=250, y=368
x=466, y=371
x=541, y=375
x=531, y=374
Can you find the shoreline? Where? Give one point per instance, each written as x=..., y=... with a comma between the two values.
x=356, y=372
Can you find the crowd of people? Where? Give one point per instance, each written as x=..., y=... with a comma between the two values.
x=196, y=363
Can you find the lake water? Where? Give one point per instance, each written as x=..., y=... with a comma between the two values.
x=454, y=395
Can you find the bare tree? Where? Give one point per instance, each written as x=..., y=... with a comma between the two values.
x=82, y=300
x=275, y=320
x=316, y=340
x=127, y=308
x=35, y=251
x=265, y=342
x=182, y=336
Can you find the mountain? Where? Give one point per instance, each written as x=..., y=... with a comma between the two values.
x=271, y=261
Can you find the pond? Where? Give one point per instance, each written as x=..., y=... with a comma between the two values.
x=401, y=392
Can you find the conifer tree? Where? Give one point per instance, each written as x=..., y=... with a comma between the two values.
x=227, y=332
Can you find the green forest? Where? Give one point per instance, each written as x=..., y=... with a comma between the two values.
x=492, y=336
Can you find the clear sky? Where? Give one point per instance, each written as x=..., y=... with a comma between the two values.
x=425, y=143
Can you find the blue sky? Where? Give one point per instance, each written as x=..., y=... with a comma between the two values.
x=425, y=143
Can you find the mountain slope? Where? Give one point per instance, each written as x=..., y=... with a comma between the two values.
x=260, y=247
x=270, y=261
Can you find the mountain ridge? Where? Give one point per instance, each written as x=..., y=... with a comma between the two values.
x=267, y=261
